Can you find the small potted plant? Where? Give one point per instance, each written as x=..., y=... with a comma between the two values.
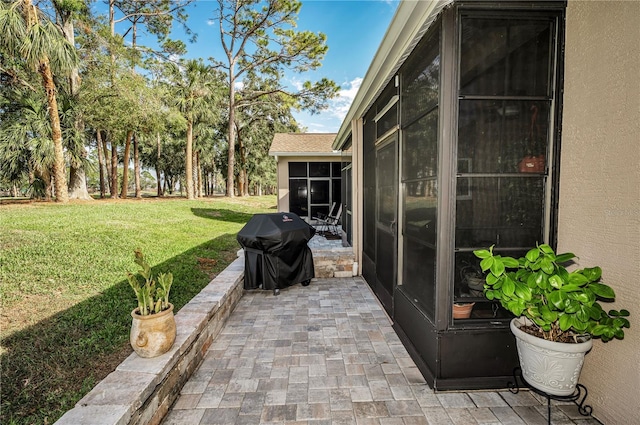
x=558, y=313
x=153, y=329
x=462, y=310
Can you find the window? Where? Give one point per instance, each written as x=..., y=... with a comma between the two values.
x=319, y=169
x=313, y=187
x=420, y=92
x=297, y=169
x=421, y=79
x=505, y=57
x=504, y=140
x=298, y=199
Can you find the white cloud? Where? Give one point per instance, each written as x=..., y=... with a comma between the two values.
x=339, y=106
x=211, y=22
x=329, y=121
x=316, y=128
x=297, y=84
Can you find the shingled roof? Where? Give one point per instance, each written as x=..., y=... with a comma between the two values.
x=303, y=144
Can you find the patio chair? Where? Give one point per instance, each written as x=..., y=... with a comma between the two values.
x=322, y=216
x=320, y=219
x=332, y=221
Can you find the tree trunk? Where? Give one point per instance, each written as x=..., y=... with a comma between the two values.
x=241, y=178
x=69, y=35
x=59, y=168
x=214, y=180
x=232, y=136
x=77, y=174
x=107, y=162
x=114, y=171
x=78, y=184
x=241, y=182
x=136, y=167
x=125, y=164
x=158, y=150
x=189, y=160
x=78, y=181
x=101, y=163
x=198, y=176
x=44, y=69
x=45, y=176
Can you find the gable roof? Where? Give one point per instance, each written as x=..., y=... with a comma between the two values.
x=303, y=144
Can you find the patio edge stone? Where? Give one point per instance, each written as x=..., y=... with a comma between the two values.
x=141, y=391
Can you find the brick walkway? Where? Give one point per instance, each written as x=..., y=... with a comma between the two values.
x=327, y=354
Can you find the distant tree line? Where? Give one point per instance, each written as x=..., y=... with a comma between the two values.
x=87, y=103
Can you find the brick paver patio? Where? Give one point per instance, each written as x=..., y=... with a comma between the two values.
x=327, y=354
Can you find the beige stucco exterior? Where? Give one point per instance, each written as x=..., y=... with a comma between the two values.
x=599, y=210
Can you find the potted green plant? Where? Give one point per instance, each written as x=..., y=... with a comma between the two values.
x=558, y=313
x=153, y=329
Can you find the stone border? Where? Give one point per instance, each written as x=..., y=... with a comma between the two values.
x=141, y=391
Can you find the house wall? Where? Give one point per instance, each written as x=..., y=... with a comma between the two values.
x=599, y=209
x=283, y=175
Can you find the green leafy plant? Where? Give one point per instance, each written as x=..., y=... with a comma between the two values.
x=560, y=303
x=153, y=297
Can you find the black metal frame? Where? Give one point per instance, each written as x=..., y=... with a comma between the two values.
x=578, y=397
x=439, y=344
x=331, y=178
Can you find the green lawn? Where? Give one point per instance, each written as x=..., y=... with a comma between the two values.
x=65, y=301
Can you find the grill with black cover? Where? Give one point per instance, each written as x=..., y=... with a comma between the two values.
x=276, y=254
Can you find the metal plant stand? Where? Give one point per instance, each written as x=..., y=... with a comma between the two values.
x=578, y=397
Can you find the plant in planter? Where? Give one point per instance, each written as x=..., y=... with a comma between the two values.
x=558, y=309
x=153, y=329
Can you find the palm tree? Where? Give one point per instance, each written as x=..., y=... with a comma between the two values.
x=192, y=88
x=26, y=149
x=41, y=47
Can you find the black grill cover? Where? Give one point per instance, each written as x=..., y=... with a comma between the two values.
x=276, y=254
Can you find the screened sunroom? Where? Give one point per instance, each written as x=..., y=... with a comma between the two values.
x=455, y=136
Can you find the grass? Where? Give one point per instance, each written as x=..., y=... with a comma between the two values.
x=65, y=316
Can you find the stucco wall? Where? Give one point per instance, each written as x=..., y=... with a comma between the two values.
x=599, y=211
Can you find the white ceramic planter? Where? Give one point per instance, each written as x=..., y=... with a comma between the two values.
x=552, y=367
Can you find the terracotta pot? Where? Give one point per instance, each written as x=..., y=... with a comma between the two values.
x=462, y=311
x=552, y=367
x=532, y=164
x=154, y=334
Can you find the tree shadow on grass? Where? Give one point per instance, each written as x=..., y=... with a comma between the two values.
x=222, y=215
x=48, y=367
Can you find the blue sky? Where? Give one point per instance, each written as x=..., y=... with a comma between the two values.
x=354, y=30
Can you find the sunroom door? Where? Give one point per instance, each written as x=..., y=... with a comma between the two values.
x=386, y=220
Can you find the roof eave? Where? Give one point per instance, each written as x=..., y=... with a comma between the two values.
x=327, y=154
